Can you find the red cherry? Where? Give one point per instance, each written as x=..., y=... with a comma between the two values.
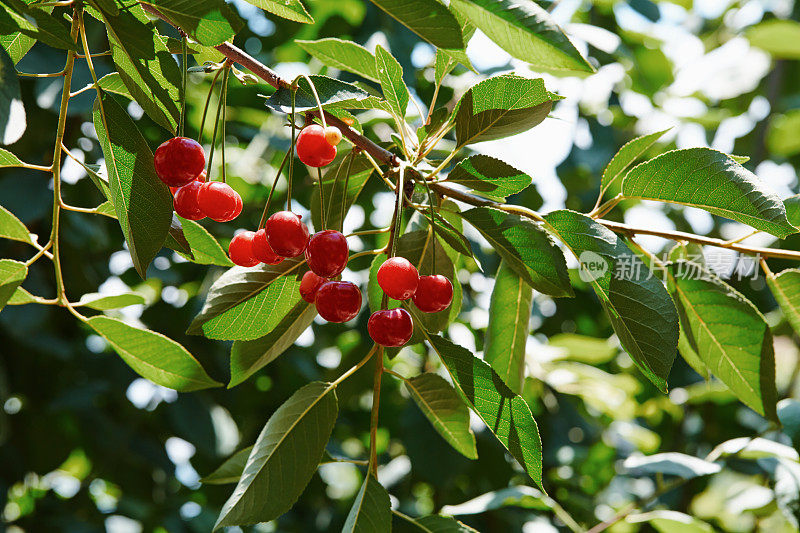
x=327, y=253
x=309, y=286
x=398, y=278
x=185, y=201
x=286, y=233
x=313, y=148
x=263, y=251
x=201, y=178
x=179, y=160
x=390, y=327
x=219, y=201
x=434, y=294
x=241, y=249
x=338, y=301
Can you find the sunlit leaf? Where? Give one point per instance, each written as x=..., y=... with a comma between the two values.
x=209, y=22
x=288, y=9
x=489, y=176
x=390, y=75
x=429, y=19
x=343, y=55
x=330, y=91
x=102, y=303
x=671, y=464
x=12, y=228
x=12, y=274
x=781, y=38
x=205, y=248
x=786, y=289
x=519, y=496
x=626, y=155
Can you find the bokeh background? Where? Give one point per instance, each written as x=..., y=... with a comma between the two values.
x=86, y=445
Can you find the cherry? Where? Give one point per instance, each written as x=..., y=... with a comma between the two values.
x=434, y=294
x=338, y=301
x=179, y=160
x=333, y=135
x=309, y=286
x=398, y=278
x=219, y=201
x=286, y=233
x=241, y=249
x=263, y=251
x=313, y=148
x=326, y=253
x=201, y=178
x=390, y=327
x=185, y=201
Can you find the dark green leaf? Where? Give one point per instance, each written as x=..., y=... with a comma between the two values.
x=626, y=155
x=427, y=18
x=284, y=457
x=334, y=181
x=142, y=202
x=248, y=303
x=390, y=74
x=441, y=524
x=35, y=23
x=12, y=228
x=526, y=247
x=711, y=180
x=330, y=91
x=490, y=177
x=636, y=303
x=500, y=107
x=445, y=410
x=12, y=112
x=728, y=333
x=209, y=22
x=343, y=55
x=526, y=31
x=12, y=274
x=371, y=512
x=507, y=332
x=789, y=416
x=288, y=9
x=230, y=471
x=506, y=414
x=247, y=357
x=153, y=356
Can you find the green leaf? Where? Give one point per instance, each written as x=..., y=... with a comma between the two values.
x=526, y=247
x=728, y=333
x=288, y=9
x=441, y=524
x=113, y=83
x=12, y=274
x=786, y=289
x=103, y=303
x=248, y=357
x=526, y=31
x=490, y=177
x=789, y=416
x=506, y=414
x=343, y=55
x=230, y=471
x=390, y=74
x=12, y=228
x=783, y=136
x=7, y=159
x=209, y=22
x=636, y=303
x=284, y=457
x=710, y=180
x=248, y=303
x=21, y=297
x=792, y=206
x=106, y=209
x=35, y=23
x=145, y=65
x=583, y=349
x=665, y=521
x=781, y=38
x=205, y=248
x=334, y=181
x=153, y=356
x=371, y=512
x=754, y=448
x=445, y=410
x=507, y=332
x=626, y=155
x=12, y=112
x=671, y=464
x=330, y=91
x=16, y=44
x=427, y=18
x=518, y=496
x=500, y=107
x=142, y=202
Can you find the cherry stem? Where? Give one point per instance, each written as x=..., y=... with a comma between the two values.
x=373, y=425
x=398, y=209
x=205, y=107
x=351, y=156
x=322, y=208
x=272, y=190
x=184, y=74
x=291, y=159
x=316, y=97
x=433, y=223
x=224, y=120
x=220, y=106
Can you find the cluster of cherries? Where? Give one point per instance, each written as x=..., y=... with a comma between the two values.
x=180, y=163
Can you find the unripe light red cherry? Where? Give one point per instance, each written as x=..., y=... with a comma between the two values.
x=313, y=148
x=185, y=201
x=263, y=251
x=326, y=253
x=338, y=301
x=286, y=233
x=398, y=278
x=219, y=201
x=241, y=249
x=179, y=160
x=201, y=178
x=434, y=294
x=333, y=135
x=390, y=328
x=309, y=286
